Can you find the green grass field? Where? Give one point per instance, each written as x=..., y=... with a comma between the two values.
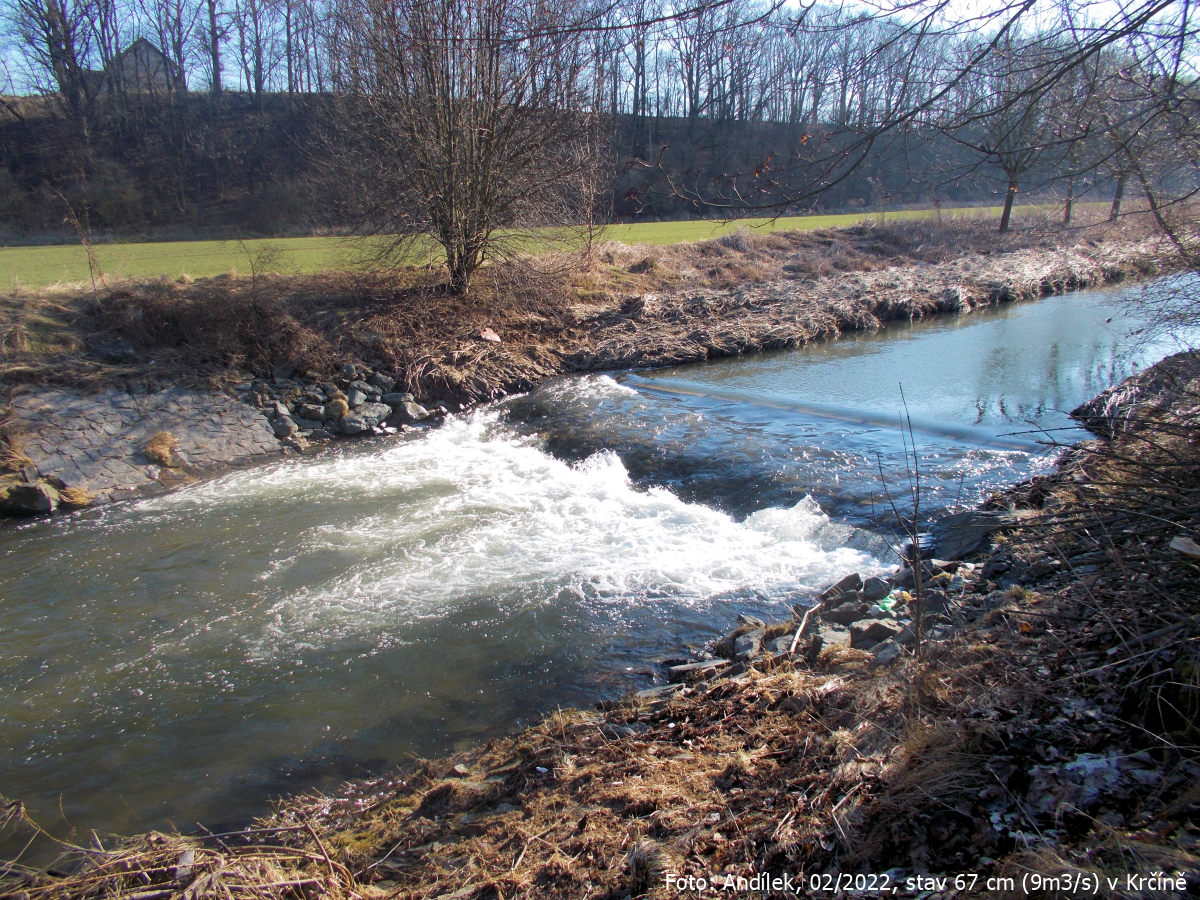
x=33, y=268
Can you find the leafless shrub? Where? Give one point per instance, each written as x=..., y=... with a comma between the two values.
x=476, y=149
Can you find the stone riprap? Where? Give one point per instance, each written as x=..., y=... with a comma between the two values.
x=97, y=442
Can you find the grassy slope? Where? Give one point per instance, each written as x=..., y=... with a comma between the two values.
x=39, y=267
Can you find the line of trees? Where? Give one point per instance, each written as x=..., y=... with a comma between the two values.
x=744, y=60
x=450, y=101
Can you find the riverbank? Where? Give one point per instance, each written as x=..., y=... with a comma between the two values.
x=1043, y=743
x=94, y=378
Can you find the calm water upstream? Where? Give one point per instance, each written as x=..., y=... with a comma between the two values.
x=181, y=659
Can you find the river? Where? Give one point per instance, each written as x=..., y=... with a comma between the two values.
x=182, y=659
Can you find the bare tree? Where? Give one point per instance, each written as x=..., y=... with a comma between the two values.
x=54, y=37
x=174, y=24
x=256, y=23
x=1008, y=119
x=212, y=33
x=475, y=114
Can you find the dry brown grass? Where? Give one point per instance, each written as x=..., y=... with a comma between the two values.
x=158, y=866
x=76, y=496
x=161, y=449
x=13, y=457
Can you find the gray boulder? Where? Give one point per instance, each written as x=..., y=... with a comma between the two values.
x=35, y=499
x=384, y=382
x=373, y=413
x=875, y=589
x=831, y=635
x=314, y=412
x=851, y=584
x=749, y=644
x=283, y=426
x=886, y=652
x=408, y=412
x=847, y=613
x=397, y=399
x=781, y=644
x=869, y=632
x=355, y=424
x=365, y=387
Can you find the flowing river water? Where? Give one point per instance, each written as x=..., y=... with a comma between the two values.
x=184, y=658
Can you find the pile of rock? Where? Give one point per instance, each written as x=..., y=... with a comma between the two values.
x=360, y=402
x=880, y=614
x=876, y=615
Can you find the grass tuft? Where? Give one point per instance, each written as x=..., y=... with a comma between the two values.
x=78, y=497
x=161, y=449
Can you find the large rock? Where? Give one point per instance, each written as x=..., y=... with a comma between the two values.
x=373, y=413
x=34, y=499
x=407, y=413
x=843, y=590
x=848, y=613
x=886, y=652
x=283, y=426
x=875, y=589
x=869, y=632
x=831, y=635
x=384, y=382
x=960, y=534
x=355, y=424
x=749, y=644
x=314, y=412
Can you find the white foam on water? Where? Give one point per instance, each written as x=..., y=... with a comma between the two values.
x=470, y=511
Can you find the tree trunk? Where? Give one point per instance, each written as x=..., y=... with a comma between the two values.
x=1068, y=207
x=1009, y=196
x=214, y=47
x=1118, y=196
